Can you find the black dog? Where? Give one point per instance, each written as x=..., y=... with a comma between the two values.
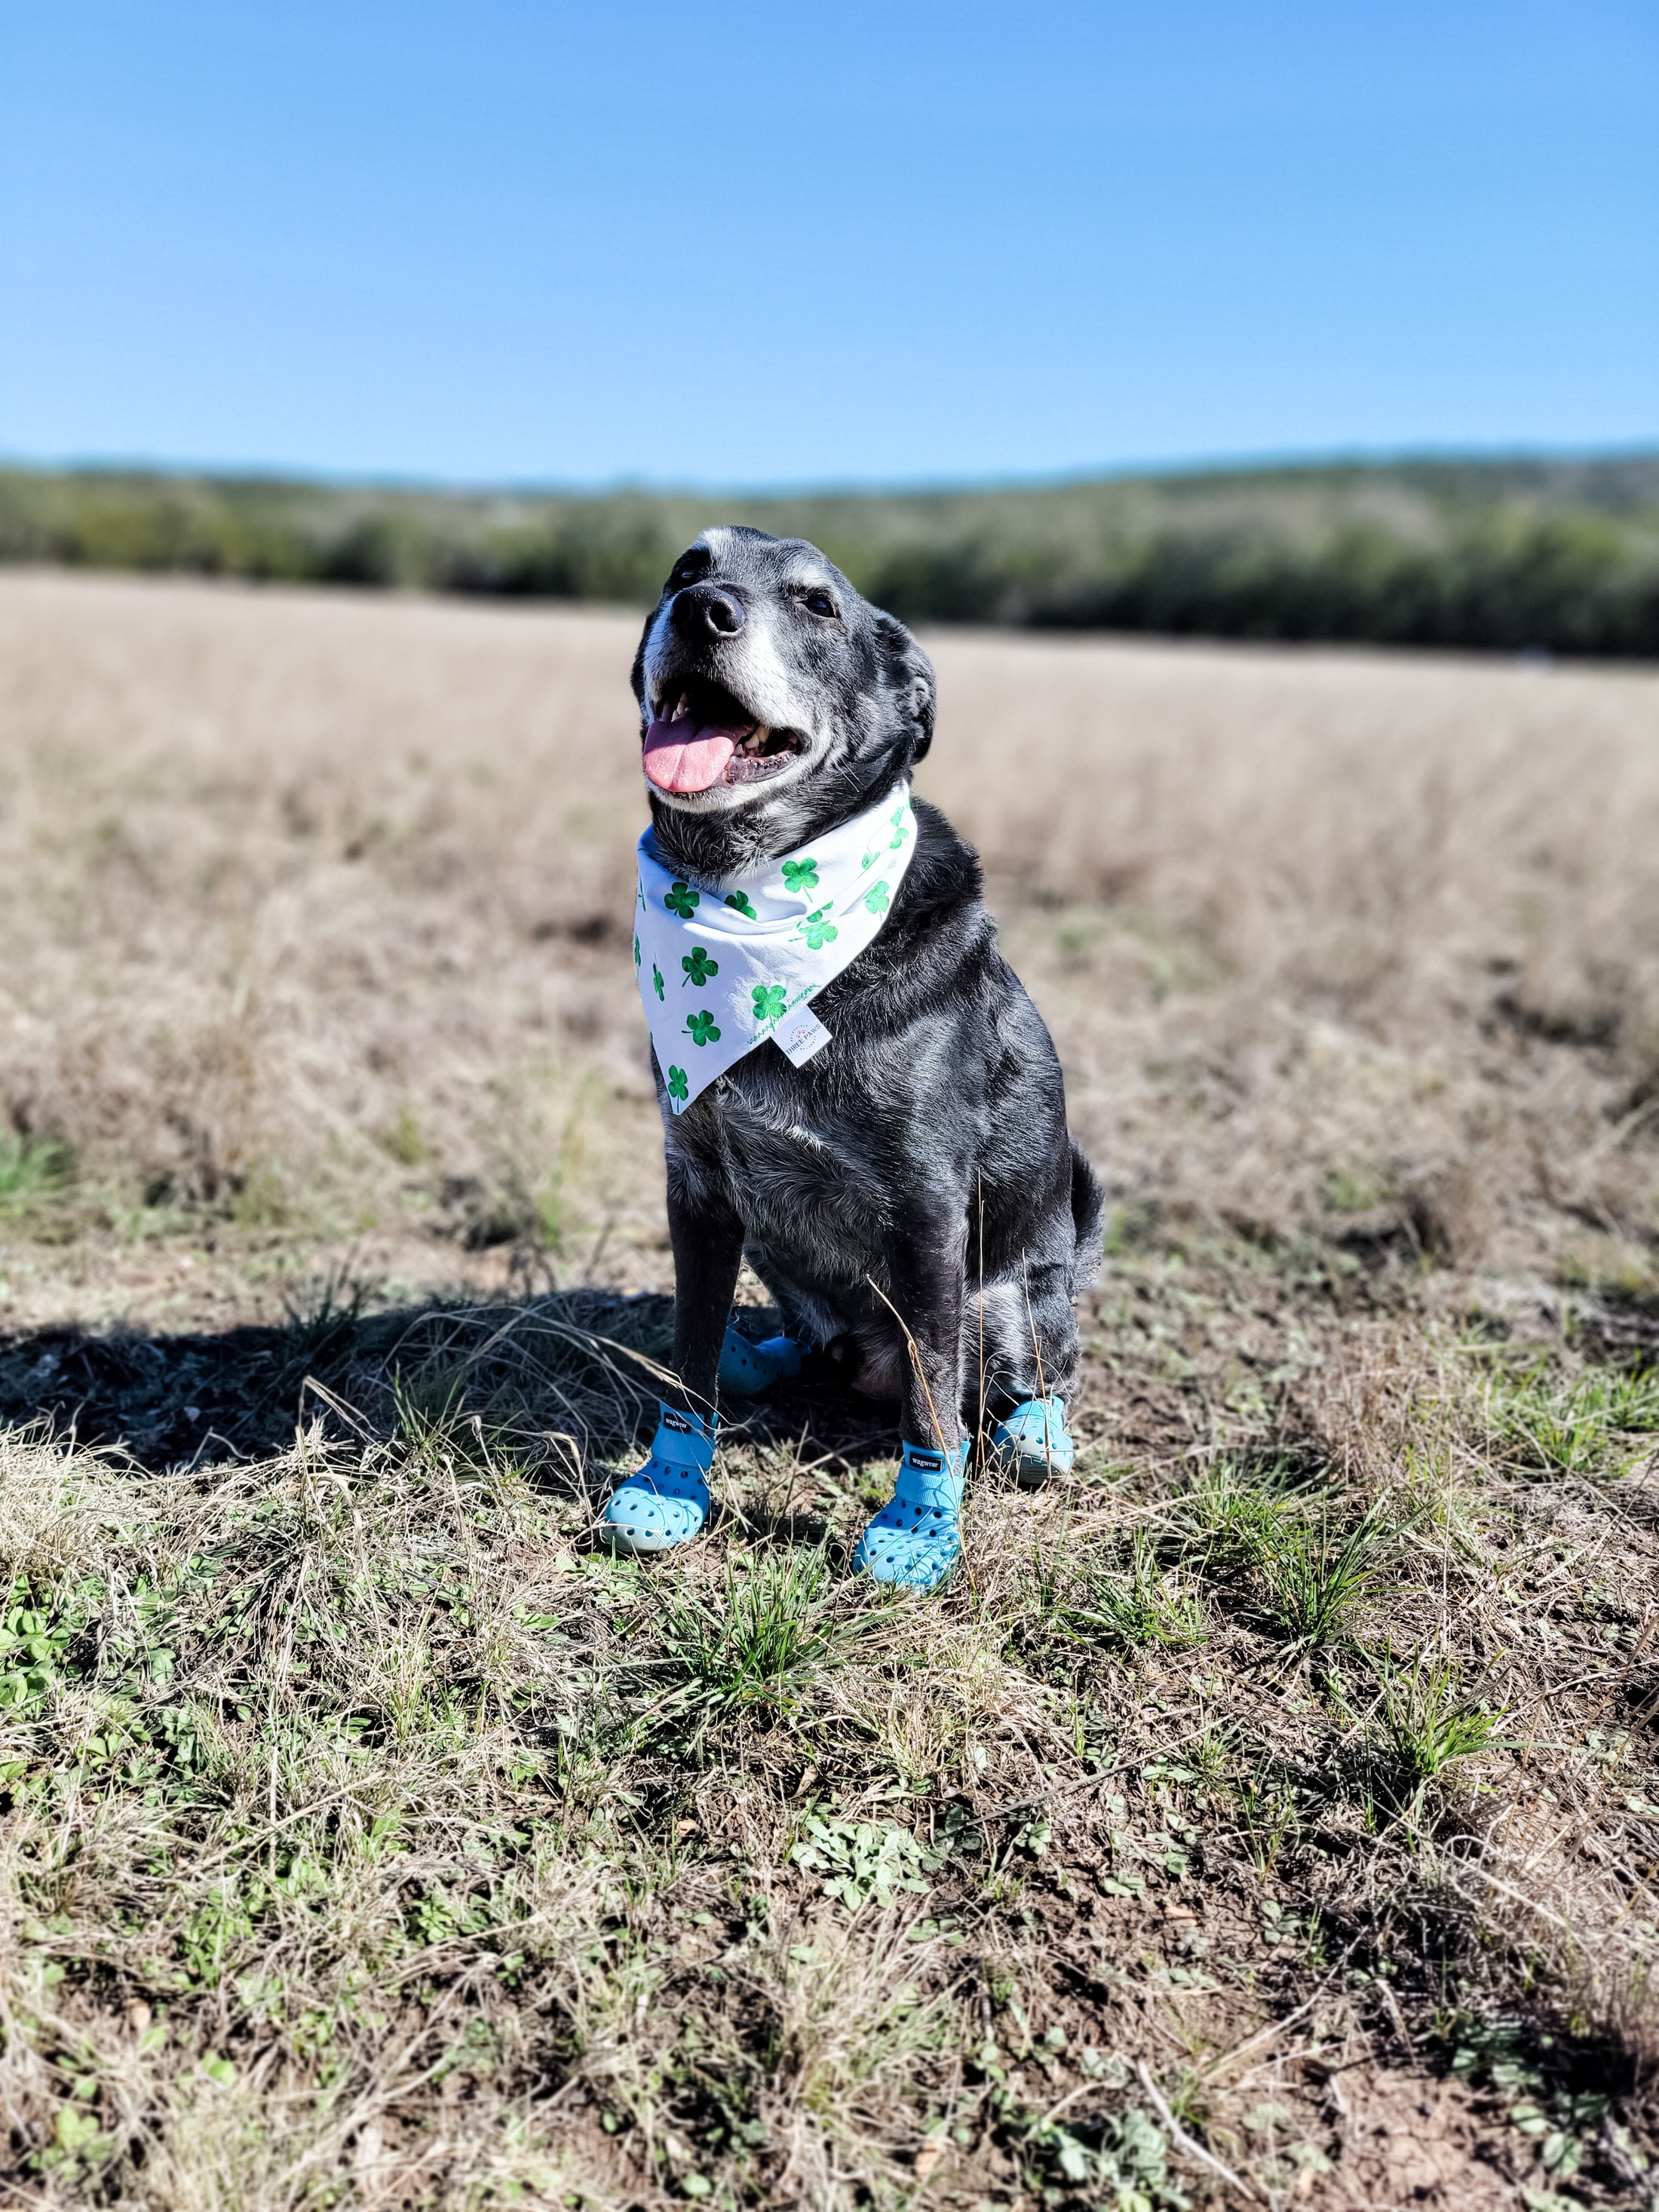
x=925, y=1150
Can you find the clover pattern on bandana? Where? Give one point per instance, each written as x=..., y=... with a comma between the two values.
x=792, y=929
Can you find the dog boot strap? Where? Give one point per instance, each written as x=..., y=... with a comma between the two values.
x=928, y=1476
x=683, y=1440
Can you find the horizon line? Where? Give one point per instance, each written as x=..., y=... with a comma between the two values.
x=1277, y=462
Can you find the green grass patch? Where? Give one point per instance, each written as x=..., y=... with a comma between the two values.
x=1143, y=1601
x=33, y=1171
x=757, y=1646
x=1589, y=1423
x=349, y=1788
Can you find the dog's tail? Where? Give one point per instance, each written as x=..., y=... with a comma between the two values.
x=1088, y=1221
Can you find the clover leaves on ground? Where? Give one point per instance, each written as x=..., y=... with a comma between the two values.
x=701, y=1028
x=878, y=1860
x=771, y=1002
x=677, y=1083
x=862, y=1861
x=682, y=900
x=800, y=875
x=817, y=930
x=739, y=900
x=699, y=967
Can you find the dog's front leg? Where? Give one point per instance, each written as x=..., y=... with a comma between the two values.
x=667, y=1502
x=916, y=1538
x=707, y=1240
x=925, y=1263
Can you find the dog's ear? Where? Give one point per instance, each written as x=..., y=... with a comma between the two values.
x=911, y=680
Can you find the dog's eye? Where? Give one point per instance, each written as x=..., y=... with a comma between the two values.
x=819, y=602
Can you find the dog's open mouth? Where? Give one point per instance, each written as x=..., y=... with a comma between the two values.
x=701, y=736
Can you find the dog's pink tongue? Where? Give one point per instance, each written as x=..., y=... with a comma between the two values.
x=679, y=756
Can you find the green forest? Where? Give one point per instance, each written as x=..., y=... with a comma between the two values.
x=1558, y=556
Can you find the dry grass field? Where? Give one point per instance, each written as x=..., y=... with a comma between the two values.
x=1273, y=1819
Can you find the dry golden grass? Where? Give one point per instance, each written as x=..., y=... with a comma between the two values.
x=1283, y=1794
x=311, y=905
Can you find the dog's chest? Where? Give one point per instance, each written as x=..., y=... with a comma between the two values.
x=800, y=1181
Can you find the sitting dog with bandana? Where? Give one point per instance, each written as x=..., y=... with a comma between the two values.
x=857, y=1095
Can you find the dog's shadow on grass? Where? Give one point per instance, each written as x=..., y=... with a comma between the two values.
x=565, y=1384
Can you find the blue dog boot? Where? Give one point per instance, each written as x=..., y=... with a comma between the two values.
x=1033, y=1442
x=916, y=1539
x=746, y=1369
x=667, y=1502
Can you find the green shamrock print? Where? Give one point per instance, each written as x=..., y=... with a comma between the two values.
x=900, y=831
x=636, y=952
x=701, y=1028
x=677, y=1084
x=800, y=875
x=656, y=979
x=740, y=901
x=870, y=860
x=769, y=1003
x=816, y=930
x=875, y=897
x=699, y=967
x=682, y=900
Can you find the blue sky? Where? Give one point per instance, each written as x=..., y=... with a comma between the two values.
x=789, y=243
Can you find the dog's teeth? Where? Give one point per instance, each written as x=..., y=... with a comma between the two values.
x=682, y=707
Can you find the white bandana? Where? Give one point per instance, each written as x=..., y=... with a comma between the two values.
x=721, y=973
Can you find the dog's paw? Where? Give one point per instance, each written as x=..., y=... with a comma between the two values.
x=909, y=1556
x=1032, y=1443
x=747, y=1369
x=667, y=1502
x=916, y=1538
x=647, y=1515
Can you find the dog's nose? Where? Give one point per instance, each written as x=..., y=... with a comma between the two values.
x=702, y=609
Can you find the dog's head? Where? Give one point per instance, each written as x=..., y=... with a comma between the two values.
x=771, y=695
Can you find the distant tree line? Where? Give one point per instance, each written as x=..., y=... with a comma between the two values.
x=1523, y=555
